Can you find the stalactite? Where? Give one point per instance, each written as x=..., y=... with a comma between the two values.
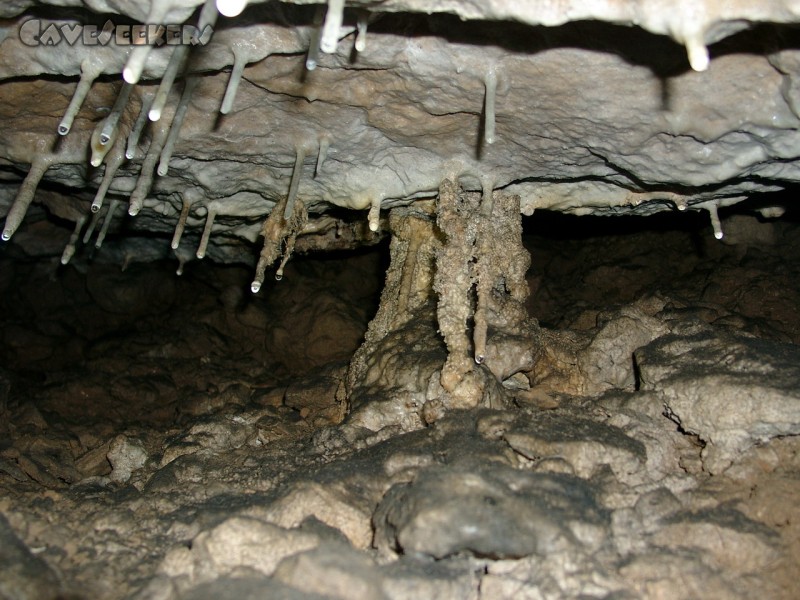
x=294, y=184
x=138, y=127
x=69, y=249
x=697, y=52
x=180, y=226
x=108, y=131
x=105, y=134
x=92, y=225
x=312, y=58
x=177, y=123
x=330, y=28
x=138, y=56
x=201, y=249
x=361, y=32
x=715, y=222
x=208, y=16
x=275, y=230
x=145, y=180
x=26, y=193
x=239, y=63
x=490, y=83
x=324, y=145
x=374, y=215
x=176, y=62
x=112, y=165
x=112, y=209
x=90, y=70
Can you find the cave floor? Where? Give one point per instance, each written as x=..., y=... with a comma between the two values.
x=170, y=437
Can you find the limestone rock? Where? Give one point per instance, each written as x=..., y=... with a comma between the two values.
x=24, y=576
x=731, y=390
x=490, y=511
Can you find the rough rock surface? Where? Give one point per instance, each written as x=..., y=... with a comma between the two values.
x=556, y=414
x=135, y=464
x=589, y=116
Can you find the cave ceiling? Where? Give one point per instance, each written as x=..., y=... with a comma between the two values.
x=601, y=107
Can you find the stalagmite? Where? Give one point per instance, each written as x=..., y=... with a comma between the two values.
x=453, y=282
x=239, y=63
x=176, y=61
x=715, y=223
x=112, y=165
x=491, y=90
x=177, y=122
x=138, y=127
x=324, y=145
x=294, y=184
x=112, y=208
x=361, y=32
x=108, y=130
x=90, y=70
x=179, y=227
x=69, y=250
x=148, y=165
x=330, y=29
x=313, y=46
x=25, y=194
x=374, y=215
x=201, y=249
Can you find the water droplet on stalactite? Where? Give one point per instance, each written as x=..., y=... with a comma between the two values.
x=490, y=83
x=201, y=249
x=255, y=287
x=177, y=122
x=90, y=70
x=331, y=26
x=25, y=195
x=231, y=8
x=294, y=184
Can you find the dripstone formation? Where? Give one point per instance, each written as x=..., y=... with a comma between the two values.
x=418, y=359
